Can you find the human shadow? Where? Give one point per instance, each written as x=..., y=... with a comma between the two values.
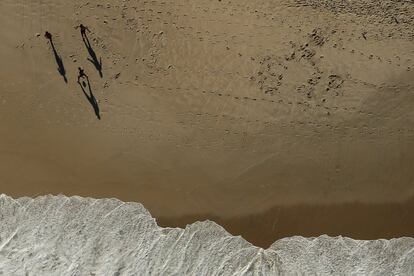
x=91, y=98
x=61, y=67
x=93, y=58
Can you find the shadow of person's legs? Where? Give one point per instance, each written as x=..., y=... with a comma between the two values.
x=93, y=58
x=59, y=62
x=90, y=97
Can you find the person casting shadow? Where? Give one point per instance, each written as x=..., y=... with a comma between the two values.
x=94, y=60
x=91, y=98
x=61, y=67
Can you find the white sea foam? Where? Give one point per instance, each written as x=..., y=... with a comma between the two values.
x=58, y=235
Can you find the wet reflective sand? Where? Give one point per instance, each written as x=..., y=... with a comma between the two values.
x=356, y=220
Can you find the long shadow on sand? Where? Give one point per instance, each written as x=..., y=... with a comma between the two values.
x=89, y=96
x=61, y=67
x=93, y=58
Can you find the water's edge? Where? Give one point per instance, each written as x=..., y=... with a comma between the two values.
x=59, y=235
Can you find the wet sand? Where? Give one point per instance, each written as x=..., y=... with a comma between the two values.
x=355, y=220
x=273, y=118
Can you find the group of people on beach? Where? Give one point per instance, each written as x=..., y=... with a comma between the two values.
x=81, y=74
x=83, y=30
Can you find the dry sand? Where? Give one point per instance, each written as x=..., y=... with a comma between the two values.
x=275, y=118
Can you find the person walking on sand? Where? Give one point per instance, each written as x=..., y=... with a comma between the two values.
x=93, y=58
x=83, y=29
x=81, y=74
x=61, y=67
x=48, y=35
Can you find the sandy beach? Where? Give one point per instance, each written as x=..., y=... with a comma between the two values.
x=272, y=118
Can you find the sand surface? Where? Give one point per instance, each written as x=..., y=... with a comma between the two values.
x=275, y=118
